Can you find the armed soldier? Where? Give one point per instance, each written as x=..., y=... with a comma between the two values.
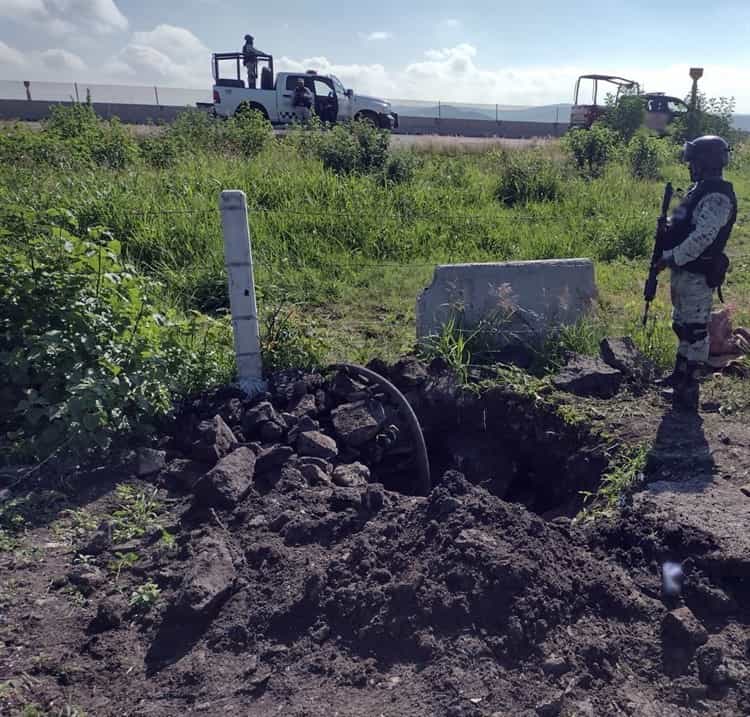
x=250, y=61
x=696, y=235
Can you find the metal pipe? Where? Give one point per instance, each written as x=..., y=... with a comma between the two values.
x=424, y=484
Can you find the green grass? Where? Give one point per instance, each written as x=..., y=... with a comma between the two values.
x=352, y=251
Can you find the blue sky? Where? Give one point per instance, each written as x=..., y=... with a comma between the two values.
x=478, y=51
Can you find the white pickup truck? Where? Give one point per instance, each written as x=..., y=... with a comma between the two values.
x=275, y=96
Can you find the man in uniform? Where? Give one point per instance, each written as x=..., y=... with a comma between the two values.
x=249, y=55
x=698, y=232
x=303, y=100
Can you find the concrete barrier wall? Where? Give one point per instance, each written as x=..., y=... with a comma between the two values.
x=511, y=302
x=36, y=110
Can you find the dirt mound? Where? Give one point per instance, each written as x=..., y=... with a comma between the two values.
x=297, y=582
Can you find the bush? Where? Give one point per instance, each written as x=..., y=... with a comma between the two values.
x=287, y=343
x=86, y=356
x=714, y=115
x=343, y=148
x=400, y=168
x=591, y=149
x=626, y=116
x=249, y=132
x=645, y=154
x=529, y=177
x=160, y=152
x=113, y=146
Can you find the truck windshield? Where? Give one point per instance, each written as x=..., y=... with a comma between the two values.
x=337, y=85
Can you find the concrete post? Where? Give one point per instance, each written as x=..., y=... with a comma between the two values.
x=156, y=95
x=27, y=85
x=238, y=259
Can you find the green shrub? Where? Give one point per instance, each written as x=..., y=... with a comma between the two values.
x=76, y=121
x=113, y=146
x=591, y=149
x=373, y=146
x=529, y=177
x=160, y=152
x=645, y=154
x=339, y=150
x=86, y=356
x=626, y=116
x=714, y=115
x=400, y=168
x=249, y=132
x=286, y=342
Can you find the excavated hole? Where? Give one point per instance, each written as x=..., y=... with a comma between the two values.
x=521, y=452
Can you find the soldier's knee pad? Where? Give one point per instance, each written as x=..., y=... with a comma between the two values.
x=680, y=330
x=694, y=333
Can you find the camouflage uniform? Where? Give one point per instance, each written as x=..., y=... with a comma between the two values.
x=692, y=298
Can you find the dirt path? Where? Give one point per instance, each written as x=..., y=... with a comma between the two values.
x=281, y=585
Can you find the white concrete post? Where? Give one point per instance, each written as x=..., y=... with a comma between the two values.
x=238, y=259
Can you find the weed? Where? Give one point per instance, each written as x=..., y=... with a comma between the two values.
x=8, y=542
x=529, y=177
x=645, y=155
x=144, y=597
x=77, y=523
x=453, y=346
x=122, y=561
x=287, y=341
x=136, y=514
x=624, y=473
x=591, y=149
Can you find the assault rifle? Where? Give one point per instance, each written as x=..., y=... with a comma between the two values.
x=649, y=291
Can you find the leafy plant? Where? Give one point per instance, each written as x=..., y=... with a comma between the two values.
x=625, y=116
x=136, y=514
x=145, y=596
x=286, y=341
x=85, y=354
x=645, y=155
x=591, y=149
x=123, y=561
x=453, y=345
x=529, y=177
x=624, y=473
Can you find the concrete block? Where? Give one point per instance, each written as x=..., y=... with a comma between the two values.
x=513, y=302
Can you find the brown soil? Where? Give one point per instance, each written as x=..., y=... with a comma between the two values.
x=307, y=598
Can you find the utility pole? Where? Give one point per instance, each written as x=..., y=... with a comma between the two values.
x=693, y=119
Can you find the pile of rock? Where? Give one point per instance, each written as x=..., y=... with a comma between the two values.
x=620, y=361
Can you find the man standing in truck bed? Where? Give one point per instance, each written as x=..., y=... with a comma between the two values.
x=250, y=61
x=698, y=233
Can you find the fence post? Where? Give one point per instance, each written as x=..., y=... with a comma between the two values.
x=238, y=259
x=75, y=84
x=156, y=94
x=27, y=85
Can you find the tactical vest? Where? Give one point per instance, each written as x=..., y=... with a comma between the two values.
x=683, y=223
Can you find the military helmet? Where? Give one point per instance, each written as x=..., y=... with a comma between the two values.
x=249, y=38
x=708, y=152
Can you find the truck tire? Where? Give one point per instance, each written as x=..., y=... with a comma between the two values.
x=246, y=106
x=367, y=117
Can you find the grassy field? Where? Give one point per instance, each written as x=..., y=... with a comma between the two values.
x=342, y=251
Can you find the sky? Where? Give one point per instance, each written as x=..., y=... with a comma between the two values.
x=484, y=51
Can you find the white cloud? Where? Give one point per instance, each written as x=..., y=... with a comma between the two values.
x=9, y=56
x=376, y=36
x=167, y=54
x=58, y=17
x=455, y=74
x=62, y=61
x=450, y=23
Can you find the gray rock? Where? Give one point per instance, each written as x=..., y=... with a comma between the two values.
x=344, y=386
x=549, y=707
x=746, y=490
x=315, y=475
x=87, y=578
x=149, y=461
x=353, y=475
x=290, y=480
x=409, y=373
x=346, y=498
x=264, y=412
x=358, y=423
x=272, y=458
x=229, y=481
x=184, y=474
x=271, y=432
x=304, y=405
x=623, y=355
x=109, y=614
x=231, y=411
x=709, y=658
x=209, y=579
x=316, y=444
x=306, y=424
x=587, y=376
x=555, y=666
x=680, y=627
x=100, y=541
x=323, y=464
x=215, y=441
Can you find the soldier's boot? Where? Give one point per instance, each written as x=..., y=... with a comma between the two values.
x=687, y=393
x=677, y=375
